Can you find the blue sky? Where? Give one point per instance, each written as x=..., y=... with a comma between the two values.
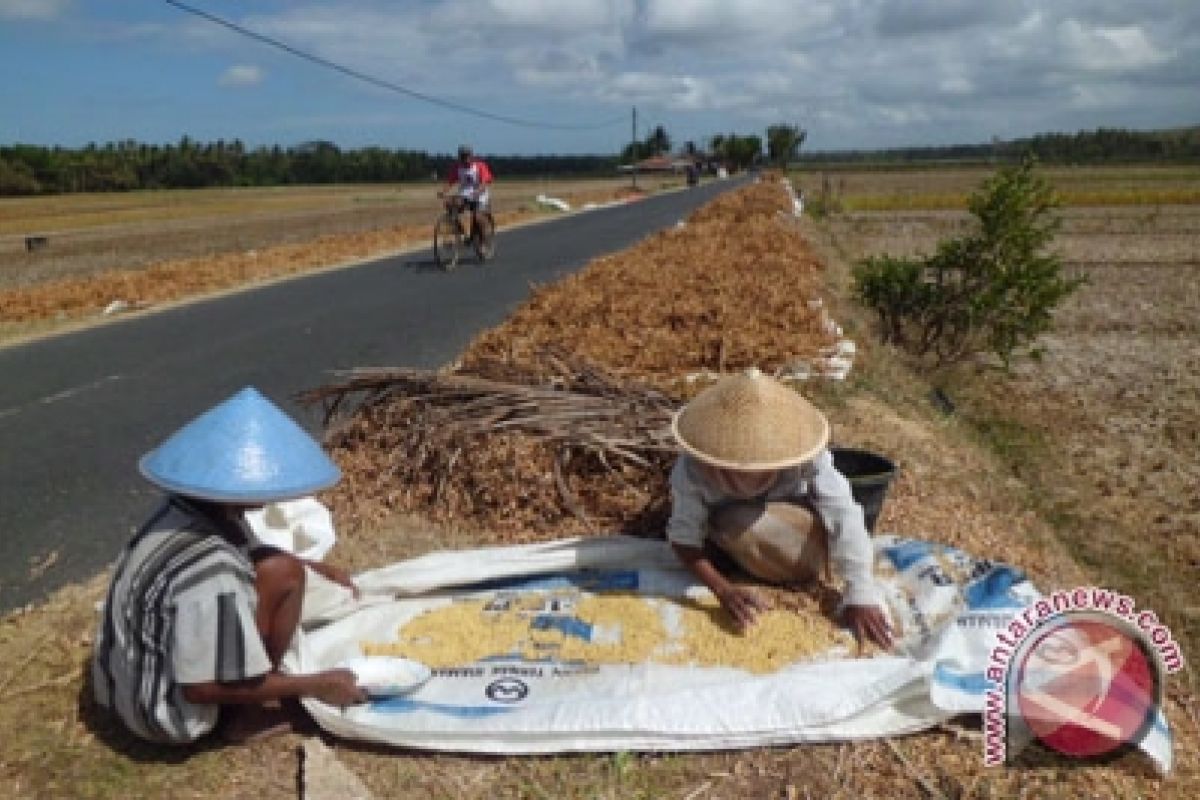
x=854, y=73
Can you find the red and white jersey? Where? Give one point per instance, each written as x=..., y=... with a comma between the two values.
x=472, y=179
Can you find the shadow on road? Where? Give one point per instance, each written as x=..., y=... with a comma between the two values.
x=426, y=264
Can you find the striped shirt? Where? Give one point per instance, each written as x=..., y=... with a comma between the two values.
x=180, y=610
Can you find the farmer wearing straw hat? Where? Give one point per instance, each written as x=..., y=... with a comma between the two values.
x=756, y=480
x=196, y=620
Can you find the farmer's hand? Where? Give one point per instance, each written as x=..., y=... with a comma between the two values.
x=743, y=604
x=338, y=687
x=869, y=622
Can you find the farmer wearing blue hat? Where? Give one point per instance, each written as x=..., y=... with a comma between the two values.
x=197, y=619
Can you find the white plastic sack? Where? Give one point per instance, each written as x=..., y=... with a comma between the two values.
x=952, y=605
x=796, y=198
x=506, y=704
x=553, y=202
x=303, y=527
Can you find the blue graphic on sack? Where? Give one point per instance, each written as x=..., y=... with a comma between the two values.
x=568, y=626
x=973, y=683
x=406, y=705
x=998, y=589
x=906, y=553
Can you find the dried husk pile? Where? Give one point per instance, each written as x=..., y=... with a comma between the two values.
x=556, y=422
x=725, y=291
x=563, y=447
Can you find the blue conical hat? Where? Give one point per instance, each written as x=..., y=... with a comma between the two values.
x=244, y=450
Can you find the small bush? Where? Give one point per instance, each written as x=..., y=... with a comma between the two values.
x=992, y=291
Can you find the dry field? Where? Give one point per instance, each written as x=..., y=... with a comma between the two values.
x=91, y=233
x=150, y=248
x=1110, y=417
x=1070, y=483
x=917, y=188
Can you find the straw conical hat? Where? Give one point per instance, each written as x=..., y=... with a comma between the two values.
x=244, y=450
x=750, y=422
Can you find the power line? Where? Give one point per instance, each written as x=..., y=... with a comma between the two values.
x=385, y=84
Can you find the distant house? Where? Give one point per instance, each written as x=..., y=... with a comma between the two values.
x=676, y=164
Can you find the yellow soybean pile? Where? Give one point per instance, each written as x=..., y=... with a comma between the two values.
x=626, y=629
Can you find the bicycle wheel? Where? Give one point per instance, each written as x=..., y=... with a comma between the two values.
x=484, y=239
x=447, y=243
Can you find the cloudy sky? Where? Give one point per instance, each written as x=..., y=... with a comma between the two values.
x=854, y=73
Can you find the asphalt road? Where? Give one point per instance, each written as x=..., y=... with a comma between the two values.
x=77, y=411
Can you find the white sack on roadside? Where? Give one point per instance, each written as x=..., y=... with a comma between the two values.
x=553, y=202
x=506, y=704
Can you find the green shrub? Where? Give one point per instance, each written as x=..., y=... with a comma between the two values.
x=992, y=291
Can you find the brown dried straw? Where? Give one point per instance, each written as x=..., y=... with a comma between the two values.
x=565, y=431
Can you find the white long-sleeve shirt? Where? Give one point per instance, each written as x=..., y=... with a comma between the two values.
x=817, y=481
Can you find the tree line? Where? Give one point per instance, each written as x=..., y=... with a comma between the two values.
x=1101, y=146
x=128, y=165
x=189, y=164
x=731, y=150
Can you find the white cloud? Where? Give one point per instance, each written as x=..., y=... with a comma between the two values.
x=1099, y=97
x=1101, y=49
x=670, y=91
x=33, y=9
x=241, y=75
x=559, y=15
x=377, y=41
x=956, y=85
x=904, y=115
x=734, y=18
x=557, y=68
x=917, y=17
x=768, y=82
x=688, y=27
x=860, y=73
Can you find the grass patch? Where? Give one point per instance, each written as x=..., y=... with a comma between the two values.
x=1156, y=577
x=1014, y=443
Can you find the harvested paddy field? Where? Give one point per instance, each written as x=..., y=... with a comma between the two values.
x=1107, y=423
x=1058, y=483
x=145, y=249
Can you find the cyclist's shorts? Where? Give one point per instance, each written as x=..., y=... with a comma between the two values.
x=479, y=203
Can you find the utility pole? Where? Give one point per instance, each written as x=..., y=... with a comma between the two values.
x=634, y=150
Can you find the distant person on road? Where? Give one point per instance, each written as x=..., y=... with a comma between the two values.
x=757, y=481
x=197, y=616
x=467, y=185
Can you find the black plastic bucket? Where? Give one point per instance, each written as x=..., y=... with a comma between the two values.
x=869, y=474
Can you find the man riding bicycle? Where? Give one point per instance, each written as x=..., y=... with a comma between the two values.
x=467, y=186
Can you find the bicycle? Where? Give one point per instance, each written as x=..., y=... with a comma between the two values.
x=450, y=240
